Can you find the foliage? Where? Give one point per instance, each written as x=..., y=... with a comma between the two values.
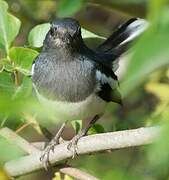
x=3, y=176
x=37, y=34
x=9, y=27
x=145, y=86
x=58, y=177
x=77, y=125
x=67, y=8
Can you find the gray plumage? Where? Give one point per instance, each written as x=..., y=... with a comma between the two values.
x=71, y=79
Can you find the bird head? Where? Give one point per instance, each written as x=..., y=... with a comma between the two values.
x=64, y=32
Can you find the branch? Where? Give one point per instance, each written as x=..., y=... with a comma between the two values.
x=18, y=140
x=86, y=145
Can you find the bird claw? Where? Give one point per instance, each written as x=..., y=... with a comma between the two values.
x=45, y=156
x=45, y=160
x=51, y=147
x=72, y=146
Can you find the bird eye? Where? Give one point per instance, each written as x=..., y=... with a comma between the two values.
x=53, y=31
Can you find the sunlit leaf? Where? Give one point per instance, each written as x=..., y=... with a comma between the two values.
x=22, y=58
x=7, y=65
x=96, y=128
x=25, y=89
x=6, y=83
x=167, y=74
x=88, y=34
x=161, y=90
x=3, y=175
x=57, y=176
x=92, y=40
x=9, y=27
x=37, y=35
x=68, y=177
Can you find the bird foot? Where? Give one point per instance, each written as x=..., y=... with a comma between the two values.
x=72, y=146
x=48, y=149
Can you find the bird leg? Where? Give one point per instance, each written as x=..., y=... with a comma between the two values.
x=73, y=143
x=46, y=133
x=50, y=147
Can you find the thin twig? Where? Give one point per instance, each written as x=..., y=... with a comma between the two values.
x=3, y=121
x=32, y=120
x=23, y=127
x=16, y=76
x=86, y=145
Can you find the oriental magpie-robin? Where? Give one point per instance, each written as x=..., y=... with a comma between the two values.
x=75, y=81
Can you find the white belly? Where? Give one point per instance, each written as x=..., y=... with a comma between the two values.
x=64, y=111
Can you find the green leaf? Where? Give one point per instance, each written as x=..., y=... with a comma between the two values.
x=88, y=34
x=13, y=27
x=151, y=53
x=96, y=128
x=6, y=83
x=68, y=8
x=7, y=65
x=9, y=27
x=77, y=125
x=37, y=35
x=22, y=59
x=8, y=151
x=92, y=40
x=25, y=89
x=1, y=66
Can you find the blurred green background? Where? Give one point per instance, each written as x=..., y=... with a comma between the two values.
x=144, y=81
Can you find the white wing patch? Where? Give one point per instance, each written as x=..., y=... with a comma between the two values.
x=104, y=79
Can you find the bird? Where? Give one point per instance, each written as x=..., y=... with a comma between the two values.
x=77, y=82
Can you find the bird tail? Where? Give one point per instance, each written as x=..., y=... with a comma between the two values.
x=119, y=41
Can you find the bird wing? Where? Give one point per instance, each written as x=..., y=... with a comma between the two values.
x=108, y=54
x=105, y=76
x=108, y=84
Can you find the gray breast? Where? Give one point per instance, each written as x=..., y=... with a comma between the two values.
x=72, y=80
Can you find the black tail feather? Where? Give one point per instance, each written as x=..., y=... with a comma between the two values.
x=118, y=42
